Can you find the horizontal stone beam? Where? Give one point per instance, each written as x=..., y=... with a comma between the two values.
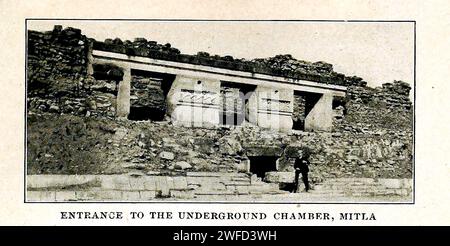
x=178, y=68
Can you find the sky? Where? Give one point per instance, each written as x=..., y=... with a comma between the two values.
x=379, y=52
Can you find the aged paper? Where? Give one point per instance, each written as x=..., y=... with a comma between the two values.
x=379, y=41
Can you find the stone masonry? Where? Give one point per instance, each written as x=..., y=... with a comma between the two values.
x=111, y=113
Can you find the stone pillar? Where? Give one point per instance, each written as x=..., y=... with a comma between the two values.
x=194, y=102
x=275, y=107
x=123, y=95
x=321, y=115
x=251, y=109
x=90, y=58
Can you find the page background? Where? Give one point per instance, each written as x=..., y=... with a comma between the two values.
x=432, y=108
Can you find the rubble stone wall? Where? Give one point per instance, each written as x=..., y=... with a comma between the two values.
x=57, y=76
x=377, y=110
x=74, y=145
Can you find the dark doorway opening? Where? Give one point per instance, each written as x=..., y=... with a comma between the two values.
x=148, y=95
x=234, y=102
x=259, y=165
x=146, y=113
x=303, y=104
x=233, y=119
x=299, y=111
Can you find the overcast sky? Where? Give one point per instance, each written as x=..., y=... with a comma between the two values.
x=377, y=52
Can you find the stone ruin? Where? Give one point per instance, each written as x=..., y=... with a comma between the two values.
x=108, y=107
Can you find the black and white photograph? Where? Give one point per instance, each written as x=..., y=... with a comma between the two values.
x=224, y=111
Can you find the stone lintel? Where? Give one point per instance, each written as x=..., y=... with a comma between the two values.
x=178, y=68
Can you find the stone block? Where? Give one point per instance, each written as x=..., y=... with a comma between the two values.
x=182, y=165
x=275, y=107
x=147, y=195
x=116, y=182
x=167, y=155
x=41, y=196
x=131, y=196
x=266, y=150
x=203, y=174
x=112, y=195
x=280, y=177
x=162, y=187
x=320, y=116
x=180, y=183
x=391, y=183
x=194, y=101
x=182, y=194
x=150, y=184
x=59, y=181
x=65, y=196
x=137, y=183
x=242, y=190
x=87, y=195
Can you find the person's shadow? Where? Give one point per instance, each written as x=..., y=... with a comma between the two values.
x=288, y=187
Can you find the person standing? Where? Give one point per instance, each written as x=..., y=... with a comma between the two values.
x=301, y=165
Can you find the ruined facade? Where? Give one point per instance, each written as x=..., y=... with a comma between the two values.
x=115, y=106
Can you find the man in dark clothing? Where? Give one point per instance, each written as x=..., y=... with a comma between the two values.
x=301, y=166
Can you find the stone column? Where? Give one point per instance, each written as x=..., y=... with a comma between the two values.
x=251, y=109
x=275, y=107
x=123, y=95
x=194, y=101
x=321, y=115
x=90, y=58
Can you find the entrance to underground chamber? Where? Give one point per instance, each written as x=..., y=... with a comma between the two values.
x=259, y=165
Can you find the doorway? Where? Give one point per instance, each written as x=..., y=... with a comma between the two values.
x=259, y=165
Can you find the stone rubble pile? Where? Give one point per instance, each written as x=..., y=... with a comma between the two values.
x=377, y=110
x=120, y=147
x=57, y=76
x=57, y=61
x=280, y=65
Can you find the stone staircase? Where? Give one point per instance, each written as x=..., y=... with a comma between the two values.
x=346, y=187
x=361, y=187
x=228, y=186
x=199, y=186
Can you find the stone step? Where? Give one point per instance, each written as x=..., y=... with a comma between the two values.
x=320, y=187
x=213, y=193
x=263, y=189
x=348, y=183
x=327, y=192
x=236, y=183
x=216, y=174
x=243, y=179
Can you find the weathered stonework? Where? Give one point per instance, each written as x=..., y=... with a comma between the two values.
x=77, y=95
x=194, y=101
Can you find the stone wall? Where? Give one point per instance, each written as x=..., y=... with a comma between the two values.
x=378, y=110
x=58, y=79
x=118, y=147
x=70, y=126
x=299, y=110
x=57, y=61
x=147, y=98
